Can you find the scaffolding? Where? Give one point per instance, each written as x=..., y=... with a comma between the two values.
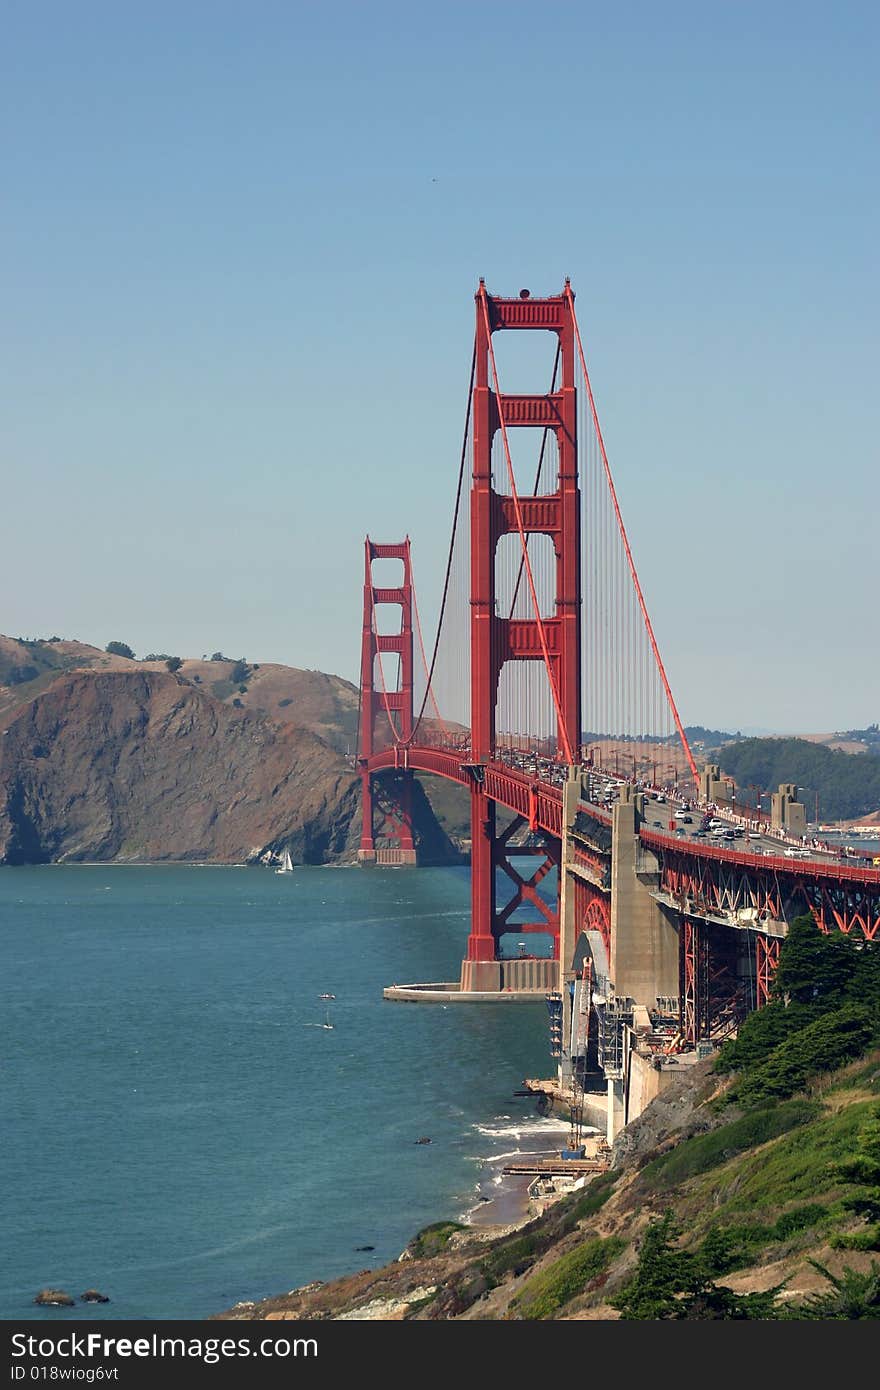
x=554, y=1009
x=614, y=1015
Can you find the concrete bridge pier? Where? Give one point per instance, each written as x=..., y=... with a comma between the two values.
x=567, y=925
x=644, y=937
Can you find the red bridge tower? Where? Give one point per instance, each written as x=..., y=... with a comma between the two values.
x=387, y=798
x=495, y=640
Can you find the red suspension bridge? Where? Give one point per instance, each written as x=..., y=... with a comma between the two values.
x=544, y=673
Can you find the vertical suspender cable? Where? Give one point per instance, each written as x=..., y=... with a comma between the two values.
x=632, y=569
x=467, y=422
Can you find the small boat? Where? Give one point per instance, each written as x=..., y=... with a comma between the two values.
x=326, y=996
x=286, y=865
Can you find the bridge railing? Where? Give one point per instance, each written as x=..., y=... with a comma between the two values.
x=770, y=863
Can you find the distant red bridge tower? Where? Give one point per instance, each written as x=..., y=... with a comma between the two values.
x=386, y=716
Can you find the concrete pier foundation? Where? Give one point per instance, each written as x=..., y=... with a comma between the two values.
x=532, y=976
x=644, y=940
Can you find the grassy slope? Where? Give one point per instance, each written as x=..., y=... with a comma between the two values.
x=777, y=1202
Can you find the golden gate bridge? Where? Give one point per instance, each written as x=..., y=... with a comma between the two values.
x=545, y=673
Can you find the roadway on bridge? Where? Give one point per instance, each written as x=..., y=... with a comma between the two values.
x=682, y=819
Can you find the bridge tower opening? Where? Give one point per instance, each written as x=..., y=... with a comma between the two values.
x=498, y=510
x=386, y=715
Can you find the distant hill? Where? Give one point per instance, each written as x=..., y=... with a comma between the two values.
x=710, y=738
x=327, y=705
x=848, y=786
x=103, y=757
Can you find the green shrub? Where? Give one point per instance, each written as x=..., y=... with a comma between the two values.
x=866, y=1239
x=823, y=1045
x=705, y=1151
x=671, y=1284
x=434, y=1238
x=738, y=1244
x=798, y=1219
x=588, y=1202
x=853, y=1295
x=865, y=1078
x=760, y=1032
x=819, y=973
x=511, y=1254
x=816, y=967
x=545, y=1293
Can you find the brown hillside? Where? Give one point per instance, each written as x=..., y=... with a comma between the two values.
x=328, y=705
x=141, y=765
x=27, y=669
x=325, y=704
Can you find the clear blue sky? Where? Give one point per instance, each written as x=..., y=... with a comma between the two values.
x=239, y=249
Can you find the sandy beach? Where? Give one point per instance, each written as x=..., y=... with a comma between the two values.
x=502, y=1200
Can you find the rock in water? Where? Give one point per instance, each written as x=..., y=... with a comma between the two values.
x=54, y=1298
x=92, y=1296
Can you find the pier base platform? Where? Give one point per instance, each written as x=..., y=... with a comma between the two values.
x=486, y=982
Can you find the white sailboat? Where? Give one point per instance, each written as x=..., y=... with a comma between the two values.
x=286, y=865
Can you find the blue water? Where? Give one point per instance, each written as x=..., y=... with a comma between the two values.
x=178, y=1133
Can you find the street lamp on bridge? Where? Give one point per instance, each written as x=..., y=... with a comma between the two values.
x=816, y=795
x=731, y=792
x=759, y=796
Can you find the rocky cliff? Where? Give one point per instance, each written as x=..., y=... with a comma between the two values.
x=105, y=757
x=141, y=765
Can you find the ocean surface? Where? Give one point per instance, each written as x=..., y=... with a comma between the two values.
x=178, y=1129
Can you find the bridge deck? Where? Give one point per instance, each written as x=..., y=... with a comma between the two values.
x=540, y=803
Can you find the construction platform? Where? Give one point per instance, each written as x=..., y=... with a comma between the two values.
x=556, y=1167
